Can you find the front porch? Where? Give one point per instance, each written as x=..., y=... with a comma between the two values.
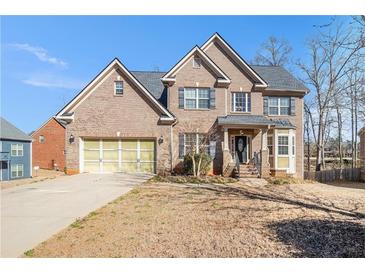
x=257, y=147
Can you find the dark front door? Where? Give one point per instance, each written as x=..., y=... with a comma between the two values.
x=241, y=148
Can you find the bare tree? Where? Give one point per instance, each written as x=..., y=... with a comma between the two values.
x=331, y=55
x=273, y=52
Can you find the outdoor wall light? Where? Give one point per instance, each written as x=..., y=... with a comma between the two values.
x=71, y=139
x=160, y=140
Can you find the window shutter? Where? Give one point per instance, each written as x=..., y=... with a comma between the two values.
x=249, y=102
x=292, y=105
x=181, y=145
x=181, y=97
x=212, y=99
x=212, y=145
x=266, y=105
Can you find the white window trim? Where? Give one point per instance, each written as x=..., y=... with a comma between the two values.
x=234, y=101
x=291, y=157
x=17, y=154
x=196, y=98
x=115, y=88
x=278, y=106
x=16, y=169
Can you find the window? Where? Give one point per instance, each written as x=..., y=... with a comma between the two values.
x=118, y=87
x=293, y=144
x=283, y=145
x=197, y=62
x=17, y=150
x=41, y=139
x=241, y=102
x=279, y=105
x=196, y=98
x=195, y=141
x=16, y=171
x=270, y=144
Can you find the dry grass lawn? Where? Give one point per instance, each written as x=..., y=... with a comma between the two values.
x=232, y=220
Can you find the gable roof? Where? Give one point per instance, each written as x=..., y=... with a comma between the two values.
x=115, y=64
x=230, y=51
x=279, y=78
x=196, y=50
x=60, y=122
x=11, y=132
x=152, y=81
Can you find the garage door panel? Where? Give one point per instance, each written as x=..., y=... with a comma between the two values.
x=110, y=166
x=129, y=144
x=129, y=167
x=91, y=167
x=129, y=155
x=91, y=144
x=147, y=155
x=147, y=144
x=111, y=155
x=147, y=167
x=110, y=144
x=91, y=154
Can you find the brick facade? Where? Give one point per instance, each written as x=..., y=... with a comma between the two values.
x=50, y=153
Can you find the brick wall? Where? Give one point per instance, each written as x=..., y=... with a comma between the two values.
x=50, y=153
x=102, y=114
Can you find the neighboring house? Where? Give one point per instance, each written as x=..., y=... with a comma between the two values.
x=15, y=152
x=147, y=121
x=362, y=152
x=48, y=145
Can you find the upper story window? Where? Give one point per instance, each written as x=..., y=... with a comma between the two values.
x=16, y=149
x=197, y=62
x=196, y=98
x=279, y=105
x=118, y=87
x=41, y=139
x=241, y=102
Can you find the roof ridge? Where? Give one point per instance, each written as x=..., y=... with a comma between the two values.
x=150, y=71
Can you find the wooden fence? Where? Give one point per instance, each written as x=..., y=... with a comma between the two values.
x=346, y=174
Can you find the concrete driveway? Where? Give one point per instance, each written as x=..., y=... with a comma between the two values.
x=32, y=213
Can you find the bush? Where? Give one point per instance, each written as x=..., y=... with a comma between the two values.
x=204, y=167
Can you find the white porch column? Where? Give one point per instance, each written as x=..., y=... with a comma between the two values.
x=225, y=146
x=264, y=139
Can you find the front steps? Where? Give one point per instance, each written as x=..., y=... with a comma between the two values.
x=246, y=171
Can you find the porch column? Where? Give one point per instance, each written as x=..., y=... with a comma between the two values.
x=226, y=147
x=265, y=165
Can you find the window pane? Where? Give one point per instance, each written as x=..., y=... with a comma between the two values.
x=284, y=111
x=283, y=150
x=283, y=140
x=273, y=101
x=190, y=103
x=13, y=174
x=190, y=93
x=273, y=110
x=13, y=153
x=203, y=103
x=203, y=93
x=284, y=101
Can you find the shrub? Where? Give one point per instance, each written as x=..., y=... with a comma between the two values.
x=206, y=160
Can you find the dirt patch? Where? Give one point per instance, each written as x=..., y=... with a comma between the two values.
x=221, y=220
x=38, y=176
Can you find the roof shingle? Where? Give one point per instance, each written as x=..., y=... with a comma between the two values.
x=9, y=131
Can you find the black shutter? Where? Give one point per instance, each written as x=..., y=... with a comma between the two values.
x=266, y=105
x=212, y=99
x=249, y=101
x=292, y=105
x=181, y=97
x=181, y=145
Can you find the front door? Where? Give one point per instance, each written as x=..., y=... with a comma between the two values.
x=241, y=148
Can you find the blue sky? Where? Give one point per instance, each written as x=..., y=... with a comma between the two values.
x=46, y=60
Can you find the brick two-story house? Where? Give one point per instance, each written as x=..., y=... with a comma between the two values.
x=147, y=121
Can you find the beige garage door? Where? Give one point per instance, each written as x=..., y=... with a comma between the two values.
x=104, y=155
